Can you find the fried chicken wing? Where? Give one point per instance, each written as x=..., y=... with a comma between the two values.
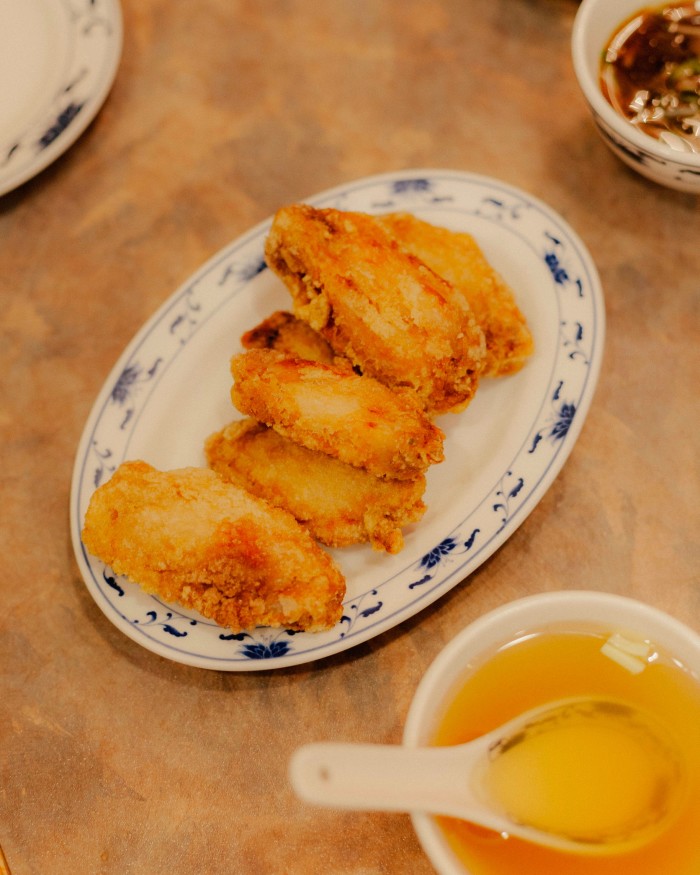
x=378, y=305
x=191, y=538
x=338, y=504
x=346, y=416
x=285, y=333
x=458, y=257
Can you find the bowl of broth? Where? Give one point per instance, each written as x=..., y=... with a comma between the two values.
x=638, y=67
x=545, y=648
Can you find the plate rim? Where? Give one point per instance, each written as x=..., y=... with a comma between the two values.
x=444, y=585
x=71, y=122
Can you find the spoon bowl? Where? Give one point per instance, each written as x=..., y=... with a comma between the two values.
x=467, y=781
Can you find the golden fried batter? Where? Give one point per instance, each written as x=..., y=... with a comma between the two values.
x=191, y=538
x=284, y=332
x=378, y=305
x=346, y=416
x=338, y=504
x=458, y=257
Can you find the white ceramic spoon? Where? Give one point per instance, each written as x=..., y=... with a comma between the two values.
x=450, y=780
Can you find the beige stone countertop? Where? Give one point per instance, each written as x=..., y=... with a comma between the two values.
x=115, y=760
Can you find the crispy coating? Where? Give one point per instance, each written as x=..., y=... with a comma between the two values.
x=346, y=416
x=338, y=504
x=458, y=257
x=284, y=332
x=378, y=305
x=191, y=538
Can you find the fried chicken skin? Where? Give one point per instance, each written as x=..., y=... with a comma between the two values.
x=191, y=538
x=353, y=418
x=338, y=504
x=285, y=333
x=458, y=257
x=378, y=305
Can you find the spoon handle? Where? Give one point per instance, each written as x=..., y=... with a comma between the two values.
x=380, y=777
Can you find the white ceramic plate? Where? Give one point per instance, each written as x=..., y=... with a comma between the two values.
x=170, y=390
x=58, y=59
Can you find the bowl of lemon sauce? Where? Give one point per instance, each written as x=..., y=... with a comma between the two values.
x=593, y=777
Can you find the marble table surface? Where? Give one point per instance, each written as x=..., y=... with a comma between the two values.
x=116, y=760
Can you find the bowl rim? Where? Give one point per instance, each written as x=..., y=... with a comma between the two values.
x=540, y=610
x=588, y=82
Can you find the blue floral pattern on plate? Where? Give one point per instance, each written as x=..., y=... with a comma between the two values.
x=170, y=389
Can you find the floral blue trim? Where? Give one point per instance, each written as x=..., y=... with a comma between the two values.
x=111, y=580
x=354, y=610
x=506, y=494
x=436, y=555
x=272, y=646
x=103, y=470
x=65, y=117
x=165, y=624
x=130, y=378
x=572, y=339
x=639, y=158
x=243, y=273
x=454, y=545
x=265, y=651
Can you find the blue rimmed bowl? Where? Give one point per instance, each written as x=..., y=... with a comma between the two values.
x=595, y=22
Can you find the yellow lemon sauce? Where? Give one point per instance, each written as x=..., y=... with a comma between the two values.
x=583, y=778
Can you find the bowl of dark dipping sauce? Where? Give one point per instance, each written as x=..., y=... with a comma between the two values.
x=639, y=70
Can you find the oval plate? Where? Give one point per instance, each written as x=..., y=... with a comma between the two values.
x=58, y=60
x=170, y=390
